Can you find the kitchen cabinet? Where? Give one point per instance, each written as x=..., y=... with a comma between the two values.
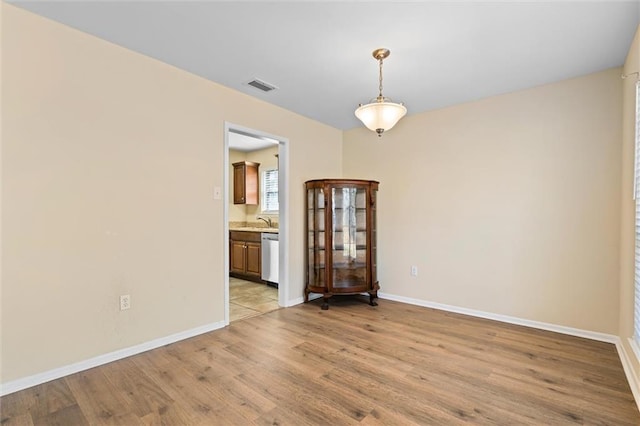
x=245, y=183
x=245, y=255
x=341, y=239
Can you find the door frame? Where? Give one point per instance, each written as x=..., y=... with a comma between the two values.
x=283, y=213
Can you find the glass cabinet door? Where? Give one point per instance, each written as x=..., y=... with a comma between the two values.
x=374, y=236
x=349, y=230
x=316, y=237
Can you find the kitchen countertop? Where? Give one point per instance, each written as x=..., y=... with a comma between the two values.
x=254, y=229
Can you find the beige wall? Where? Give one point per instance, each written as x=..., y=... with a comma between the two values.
x=109, y=160
x=509, y=205
x=627, y=232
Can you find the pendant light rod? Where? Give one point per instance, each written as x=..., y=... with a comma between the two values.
x=380, y=55
x=380, y=79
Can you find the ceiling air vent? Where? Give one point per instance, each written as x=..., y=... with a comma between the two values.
x=261, y=85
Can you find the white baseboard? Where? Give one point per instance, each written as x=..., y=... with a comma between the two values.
x=294, y=302
x=36, y=379
x=628, y=369
x=602, y=337
x=300, y=300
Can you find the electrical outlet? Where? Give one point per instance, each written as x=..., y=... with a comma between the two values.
x=414, y=271
x=125, y=302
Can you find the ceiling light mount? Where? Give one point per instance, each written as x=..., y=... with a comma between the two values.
x=380, y=114
x=380, y=54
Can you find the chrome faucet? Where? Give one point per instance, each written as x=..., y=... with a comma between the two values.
x=267, y=221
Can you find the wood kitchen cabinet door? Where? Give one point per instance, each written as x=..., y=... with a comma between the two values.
x=245, y=255
x=237, y=256
x=246, y=183
x=254, y=259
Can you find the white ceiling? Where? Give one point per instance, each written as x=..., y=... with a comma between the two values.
x=318, y=54
x=245, y=142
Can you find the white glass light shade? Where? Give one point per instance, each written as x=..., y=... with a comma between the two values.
x=380, y=116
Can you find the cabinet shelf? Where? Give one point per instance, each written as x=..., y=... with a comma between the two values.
x=346, y=284
x=338, y=248
x=340, y=238
x=358, y=265
x=358, y=209
x=355, y=265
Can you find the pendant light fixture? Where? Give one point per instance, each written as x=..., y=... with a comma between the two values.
x=380, y=114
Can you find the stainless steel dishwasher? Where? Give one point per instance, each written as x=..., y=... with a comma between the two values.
x=270, y=258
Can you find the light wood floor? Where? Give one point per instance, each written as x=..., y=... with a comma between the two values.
x=394, y=364
x=248, y=299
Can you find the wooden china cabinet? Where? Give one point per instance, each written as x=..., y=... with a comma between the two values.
x=341, y=238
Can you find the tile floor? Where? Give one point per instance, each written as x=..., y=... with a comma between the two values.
x=248, y=299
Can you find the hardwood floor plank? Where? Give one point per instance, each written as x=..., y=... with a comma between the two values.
x=137, y=389
x=246, y=401
x=299, y=396
x=279, y=367
x=210, y=359
x=486, y=403
x=15, y=406
x=268, y=333
x=100, y=402
x=17, y=420
x=71, y=415
x=393, y=364
x=40, y=401
x=537, y=398
x=53, y=398
x=170, y=414
x=408, y=405
x=380, y=416
x=284, y=416
x=190, y=390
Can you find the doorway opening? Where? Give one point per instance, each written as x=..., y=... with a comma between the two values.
x=256, y=243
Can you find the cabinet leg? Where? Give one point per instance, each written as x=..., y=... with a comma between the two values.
x=306, y=296
x=372, y=299
x=325, y=303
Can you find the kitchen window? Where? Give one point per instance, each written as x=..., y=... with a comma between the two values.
x=269, y=191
